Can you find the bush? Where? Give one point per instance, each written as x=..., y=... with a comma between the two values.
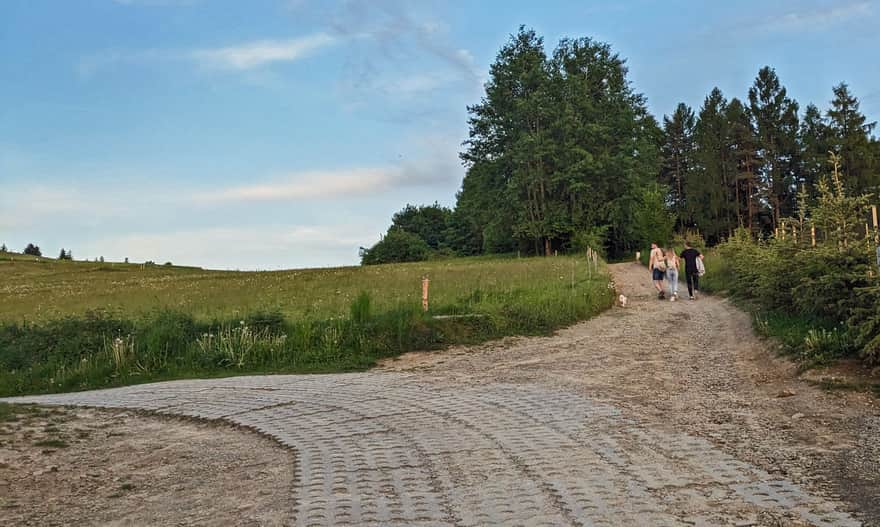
x=360, y=308
x=33, y=250
x=824, y=300
x=593, y=238
x=397, y=246
x=165, y=336
x=270, y=321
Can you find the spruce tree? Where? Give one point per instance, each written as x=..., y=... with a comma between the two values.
x=815, y=144
x=776, y=122
x=850, y=137
x=743, y=143
x=678, y=150
x=709, y=188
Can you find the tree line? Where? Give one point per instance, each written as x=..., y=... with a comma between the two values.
x=744, y=163
x=562, y=153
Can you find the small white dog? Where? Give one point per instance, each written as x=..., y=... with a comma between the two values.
x=622, y=300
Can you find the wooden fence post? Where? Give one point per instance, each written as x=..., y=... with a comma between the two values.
x=425, y=283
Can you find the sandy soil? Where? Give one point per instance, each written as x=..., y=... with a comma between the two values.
x=88, y=467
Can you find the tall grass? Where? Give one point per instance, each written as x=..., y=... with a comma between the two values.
x=40, y=291
x=113, y=347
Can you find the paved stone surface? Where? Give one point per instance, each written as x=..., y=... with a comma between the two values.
x=395, y=449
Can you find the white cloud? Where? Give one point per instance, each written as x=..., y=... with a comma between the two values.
x=336, y=184
x=240, y=57
x=818, y=19
x=255, y=54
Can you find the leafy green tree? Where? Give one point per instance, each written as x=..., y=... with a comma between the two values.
x=557, y=146
x=678, y=149
x=849, y=132
x=608, y=144
x=653, y=221
x=503, y=149
x=429, y=222
x=776, y=122
x=397, y=246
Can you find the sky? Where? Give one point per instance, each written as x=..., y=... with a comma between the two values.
x=275, y=134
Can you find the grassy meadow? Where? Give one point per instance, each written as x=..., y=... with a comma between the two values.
x=76, y=325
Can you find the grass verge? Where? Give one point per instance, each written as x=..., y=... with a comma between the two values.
x=105, y=348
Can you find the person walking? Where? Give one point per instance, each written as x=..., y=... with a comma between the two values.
x=672, y=265
x=657, y=265
x=691, y=272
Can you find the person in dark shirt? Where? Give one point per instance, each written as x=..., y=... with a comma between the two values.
x=690, y=255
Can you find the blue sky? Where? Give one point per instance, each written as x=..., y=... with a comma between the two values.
x=284, y=133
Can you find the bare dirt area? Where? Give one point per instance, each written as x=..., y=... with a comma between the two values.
x=694, y=367
x=61, y=466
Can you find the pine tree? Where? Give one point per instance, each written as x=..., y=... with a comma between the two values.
x=776, y=122
x=678, y=150
x=713, y=180
x=850, y=138
x=743, y=142
x=3, y=248
x=63, y=255
x=815, y=144
x=33, y=250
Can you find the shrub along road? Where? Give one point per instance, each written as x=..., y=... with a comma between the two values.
x=657, y=414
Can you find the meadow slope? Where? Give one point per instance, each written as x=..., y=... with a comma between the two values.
x=78, y=325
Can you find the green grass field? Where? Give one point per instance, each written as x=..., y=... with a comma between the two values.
x=38, y=290
x=77, y=325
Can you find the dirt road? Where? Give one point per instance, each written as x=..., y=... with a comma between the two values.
x=657, y=414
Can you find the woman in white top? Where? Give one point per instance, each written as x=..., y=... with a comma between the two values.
x=672, y=266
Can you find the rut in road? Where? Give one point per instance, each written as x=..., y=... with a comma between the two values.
x=589, y=427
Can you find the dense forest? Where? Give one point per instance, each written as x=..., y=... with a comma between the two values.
x=563, y=153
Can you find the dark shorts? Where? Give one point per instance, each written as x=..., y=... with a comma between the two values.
x=658, y=274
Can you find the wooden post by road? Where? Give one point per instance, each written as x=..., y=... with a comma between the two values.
x=425, y=283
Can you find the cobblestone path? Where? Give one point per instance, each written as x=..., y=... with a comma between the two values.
x=397, y=449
